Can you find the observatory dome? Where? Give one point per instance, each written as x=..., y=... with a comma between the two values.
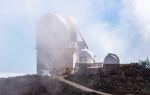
x=58, y=30
x=56, y=42
x=86, y=56
x=111, y=59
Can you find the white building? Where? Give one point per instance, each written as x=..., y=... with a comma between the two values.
x=86, y=56
x=111, y=59
x=56, y=44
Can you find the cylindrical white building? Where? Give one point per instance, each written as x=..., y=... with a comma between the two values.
x=56, y=44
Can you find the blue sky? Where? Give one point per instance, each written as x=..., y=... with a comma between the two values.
x=117, y=26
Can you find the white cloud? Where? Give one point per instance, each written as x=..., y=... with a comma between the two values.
x=135, y=14
x=100, y=35
x=138, y=11
x=130, y=39
x=104, y=39
x=107, y=36
x=6, y=75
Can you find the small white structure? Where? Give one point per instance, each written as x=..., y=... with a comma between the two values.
x=86, y=56
x=80, y=46
x=45, y=73
x=111, y=59
x=111, y=63
x=56, y=44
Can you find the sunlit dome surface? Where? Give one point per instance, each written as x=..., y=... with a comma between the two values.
x=86, y=56
x=56, y=43
x=57, y=30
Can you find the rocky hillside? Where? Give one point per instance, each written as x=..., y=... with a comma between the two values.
x=128, y=79
x=36, y=85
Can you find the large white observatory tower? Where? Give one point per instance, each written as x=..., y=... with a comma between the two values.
x=56, y=44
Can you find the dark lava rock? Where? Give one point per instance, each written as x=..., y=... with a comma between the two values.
x=127, y=79
x=37, y=85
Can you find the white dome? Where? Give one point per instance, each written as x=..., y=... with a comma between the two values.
x=86, y=56
x=111, y=59
x=56, y=41
x=59, y=31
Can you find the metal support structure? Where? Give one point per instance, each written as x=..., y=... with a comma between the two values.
x=85, y=43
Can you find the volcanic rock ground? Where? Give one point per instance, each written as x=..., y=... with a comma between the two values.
x=37, y=85
x=129, y=79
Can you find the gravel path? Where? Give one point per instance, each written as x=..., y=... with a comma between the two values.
x=83, y=88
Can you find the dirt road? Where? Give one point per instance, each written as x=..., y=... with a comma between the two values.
x=83, y=88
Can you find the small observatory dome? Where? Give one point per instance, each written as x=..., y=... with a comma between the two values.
x=111, y=59
x=86, y=56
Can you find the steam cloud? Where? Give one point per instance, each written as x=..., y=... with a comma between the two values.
x=56, y=43
x=129, y=38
